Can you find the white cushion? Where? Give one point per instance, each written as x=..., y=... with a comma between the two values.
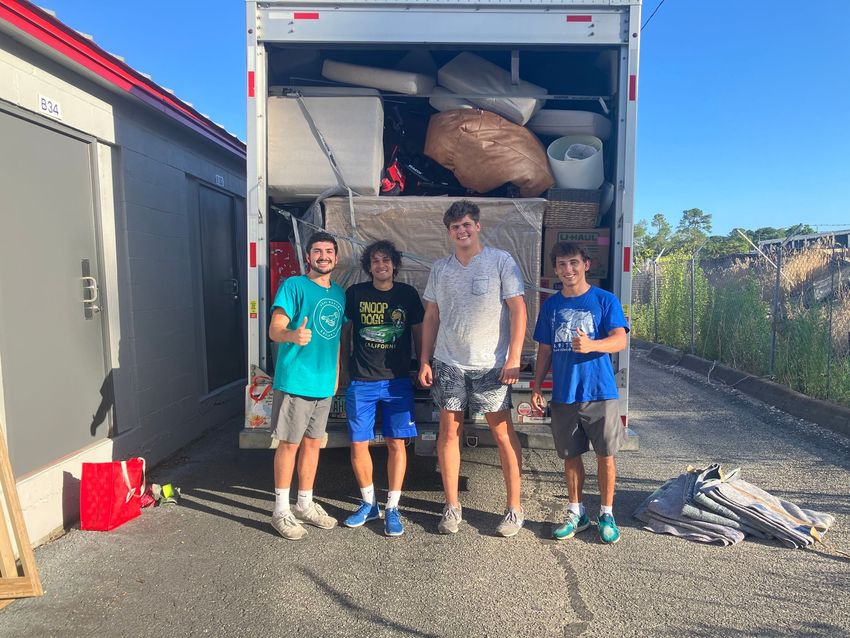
x=557, y=123
x=444, y=100
x=468, y=73
x=378, y=78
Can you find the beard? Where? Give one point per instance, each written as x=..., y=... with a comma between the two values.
x=323, y=268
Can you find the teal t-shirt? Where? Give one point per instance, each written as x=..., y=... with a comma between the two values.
x=310, y=370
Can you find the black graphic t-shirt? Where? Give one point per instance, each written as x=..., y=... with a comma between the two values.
x=381, y=322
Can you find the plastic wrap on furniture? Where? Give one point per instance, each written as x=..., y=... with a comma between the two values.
x=470, y=74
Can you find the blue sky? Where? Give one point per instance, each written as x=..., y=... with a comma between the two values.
x=743, y=105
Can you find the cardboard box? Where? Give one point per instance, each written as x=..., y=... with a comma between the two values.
x=595, y=241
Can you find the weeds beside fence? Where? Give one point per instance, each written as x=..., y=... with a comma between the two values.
x=793, y=327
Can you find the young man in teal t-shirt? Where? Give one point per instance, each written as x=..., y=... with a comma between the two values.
x=307, y=315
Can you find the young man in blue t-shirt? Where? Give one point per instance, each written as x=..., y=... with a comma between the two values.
x=576, y=332
x=307, y=315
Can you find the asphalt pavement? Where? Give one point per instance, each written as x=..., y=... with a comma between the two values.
x=213, y=566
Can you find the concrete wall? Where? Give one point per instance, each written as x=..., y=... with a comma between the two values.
x=149, y=167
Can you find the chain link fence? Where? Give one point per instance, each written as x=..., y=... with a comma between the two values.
x=783, y=315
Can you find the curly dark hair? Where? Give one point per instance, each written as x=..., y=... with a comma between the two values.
x=461, y=209
x=382, y=246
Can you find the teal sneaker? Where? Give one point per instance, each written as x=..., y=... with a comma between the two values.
x=608, y=532
x=572, y=526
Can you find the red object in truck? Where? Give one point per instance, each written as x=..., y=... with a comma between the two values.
x=283, y=263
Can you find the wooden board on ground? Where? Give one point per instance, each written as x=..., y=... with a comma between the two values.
x=15, y=582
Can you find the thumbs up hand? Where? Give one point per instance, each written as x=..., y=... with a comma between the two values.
x=581, y=342
x=302, y=334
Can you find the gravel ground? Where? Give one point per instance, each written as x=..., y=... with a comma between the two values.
x=213, y=566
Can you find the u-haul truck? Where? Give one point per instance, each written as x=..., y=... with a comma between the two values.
x=584, y=52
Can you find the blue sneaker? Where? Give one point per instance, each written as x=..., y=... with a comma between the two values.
x=392, y=522
x=572, y=526
x=608, y=532
x=365, y=513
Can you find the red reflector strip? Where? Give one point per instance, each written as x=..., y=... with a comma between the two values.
x=632, y=88
x=627, y=258
x=250, y=84
x=253, y=254
x=623, y=419
x=579, y=18
x=304, y=15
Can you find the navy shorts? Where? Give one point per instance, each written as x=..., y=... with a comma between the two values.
x=395, y=396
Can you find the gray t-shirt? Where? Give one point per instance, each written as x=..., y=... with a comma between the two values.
x=475, y=329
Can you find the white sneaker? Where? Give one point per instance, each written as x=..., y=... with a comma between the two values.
x=288, y=527
x=315, y=515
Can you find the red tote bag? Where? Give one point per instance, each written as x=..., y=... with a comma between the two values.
x=111, y=493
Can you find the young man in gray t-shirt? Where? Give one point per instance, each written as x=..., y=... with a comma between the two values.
x=475, y=311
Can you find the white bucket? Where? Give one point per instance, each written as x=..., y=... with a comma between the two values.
x=583, y=172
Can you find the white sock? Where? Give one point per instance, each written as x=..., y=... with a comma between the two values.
x=576, y=508
x=606, y=509
x=392, y=498
x=368, y=494
x=305, y=497
x=281, y=501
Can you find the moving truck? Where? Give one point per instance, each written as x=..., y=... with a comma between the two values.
x=584, y=55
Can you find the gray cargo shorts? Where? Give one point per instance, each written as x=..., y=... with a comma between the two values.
x=294, y=417
x=574, y=425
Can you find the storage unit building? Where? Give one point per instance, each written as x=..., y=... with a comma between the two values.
x=122, y=235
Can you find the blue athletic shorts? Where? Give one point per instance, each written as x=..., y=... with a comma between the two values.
x=395, y=397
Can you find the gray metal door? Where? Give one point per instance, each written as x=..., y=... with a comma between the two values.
x=51, y=342
x=225, y=349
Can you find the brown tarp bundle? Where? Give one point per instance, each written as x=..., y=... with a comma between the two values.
x=415, y=226
x=484, y=151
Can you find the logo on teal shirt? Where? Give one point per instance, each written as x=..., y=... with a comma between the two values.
x=327, y=318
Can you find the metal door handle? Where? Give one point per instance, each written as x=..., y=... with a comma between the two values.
x=89, y=283
x=90, y=291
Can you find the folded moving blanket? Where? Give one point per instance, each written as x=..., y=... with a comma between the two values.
x=708, y=505
x=662, y=514
x=788, y=523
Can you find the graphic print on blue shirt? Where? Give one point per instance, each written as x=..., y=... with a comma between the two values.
x=569, y=320
x=580, y=377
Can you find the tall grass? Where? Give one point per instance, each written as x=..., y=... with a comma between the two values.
x=734, y=318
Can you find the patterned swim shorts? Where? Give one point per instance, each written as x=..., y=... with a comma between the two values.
x=454, y=388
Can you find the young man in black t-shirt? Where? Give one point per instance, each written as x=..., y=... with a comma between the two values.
x=384, y=316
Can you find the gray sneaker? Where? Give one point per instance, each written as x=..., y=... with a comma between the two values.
x=511, y=524
x=288, y=527
x=315, y=515
x=452, y=518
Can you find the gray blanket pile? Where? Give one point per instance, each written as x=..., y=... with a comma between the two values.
x=711, y=506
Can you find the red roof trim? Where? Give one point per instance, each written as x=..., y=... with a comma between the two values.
x=53, y=33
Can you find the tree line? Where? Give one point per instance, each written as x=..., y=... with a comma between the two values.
x=694, y=230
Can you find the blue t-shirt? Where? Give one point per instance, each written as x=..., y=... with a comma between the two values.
x=310, y=370
x=578, y=377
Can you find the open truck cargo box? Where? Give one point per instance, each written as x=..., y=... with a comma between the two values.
x=580, y=58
